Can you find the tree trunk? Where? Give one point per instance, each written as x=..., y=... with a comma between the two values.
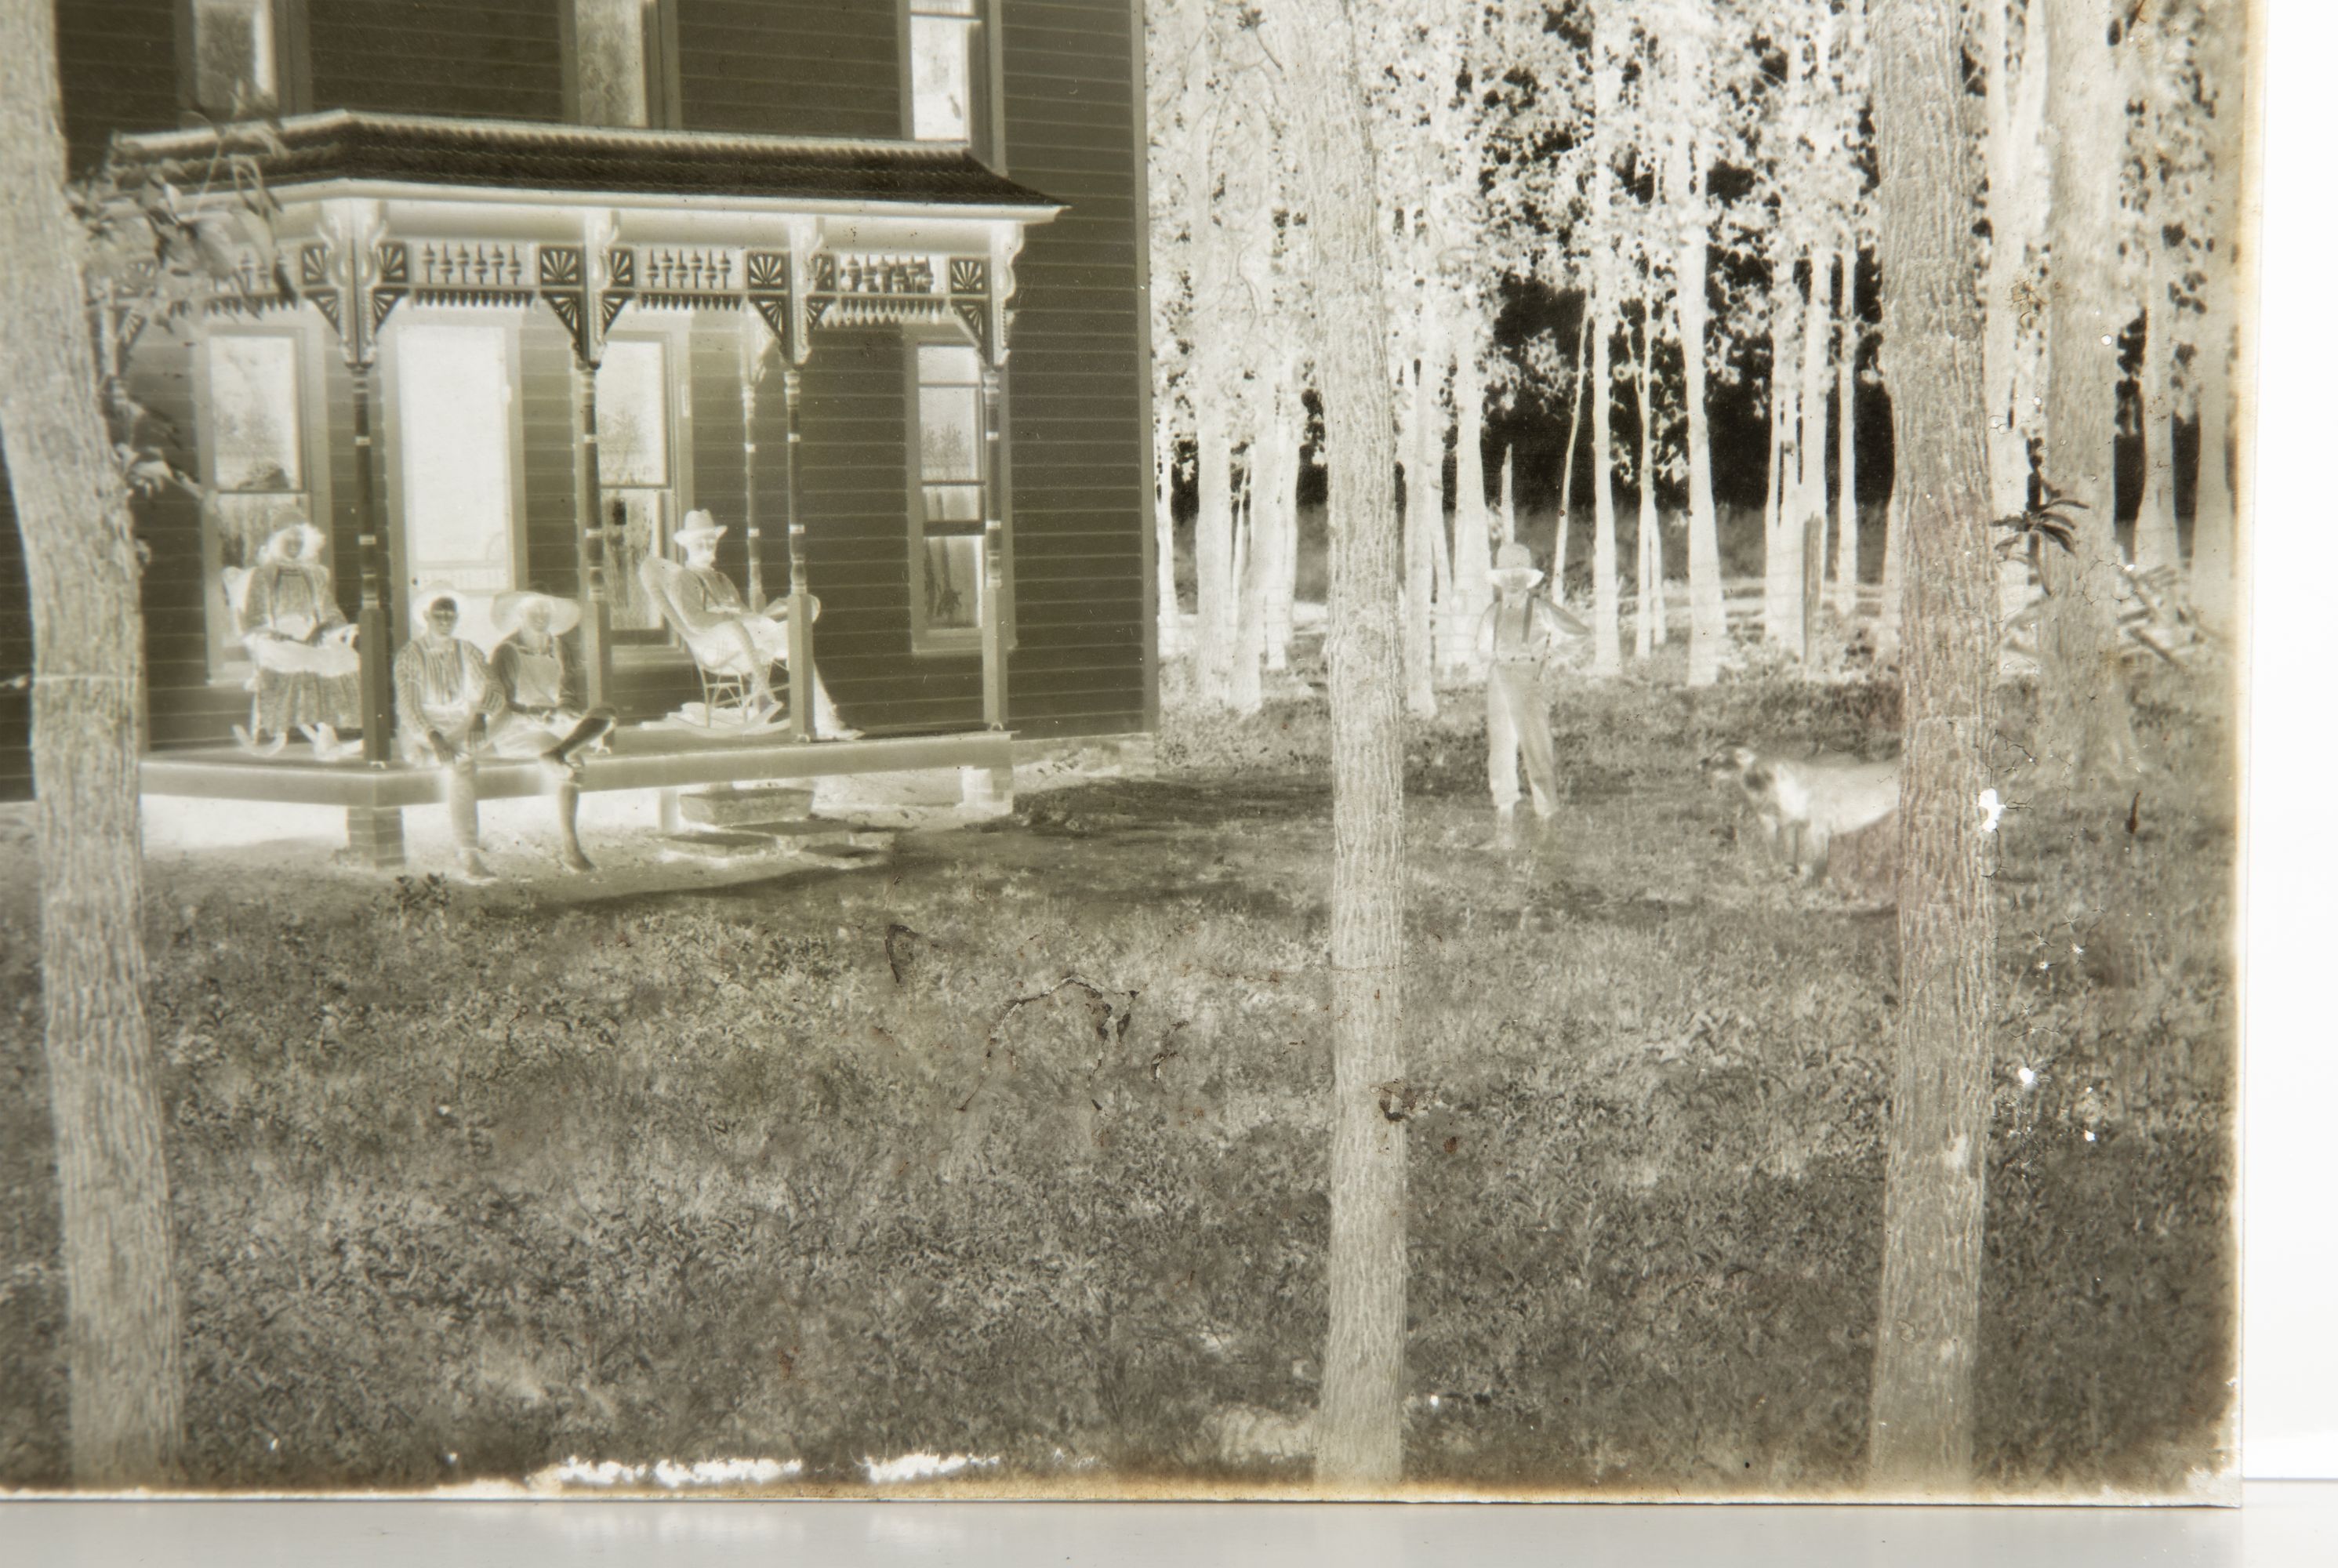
x=1473, y=553
x=1708, y=617
x=1281, y=514
x=1432, y=468
x=1213, y=547
x=1212, y=373
x=1811, y=469
x=1419, y=560
x=2225, y=29
x=1887, y=617
x=1165, y=532
x=105, y=1106
x=2084, y=725
x=1647, y=556
x=1244, y=692
x=1921, y=1435
x=2016, y=66
x=1574, y=433
x=2155, y=519
x=1782, y=563
x=1360, y=1425
x=1846, y=427
x=1509, y=502
x=2212, y=505
x=1607, y=35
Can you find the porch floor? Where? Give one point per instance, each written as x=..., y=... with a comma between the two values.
x=639, y=757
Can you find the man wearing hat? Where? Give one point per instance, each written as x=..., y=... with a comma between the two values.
x=708, y=603
x=451, y=707
x=1516, y=638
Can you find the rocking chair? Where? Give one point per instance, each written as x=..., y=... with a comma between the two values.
x=727, y=667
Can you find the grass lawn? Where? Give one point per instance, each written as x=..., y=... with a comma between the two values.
x=1017, y=1150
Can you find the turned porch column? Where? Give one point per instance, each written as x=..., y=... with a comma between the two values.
x=343, y=275
x=752, y=345
x=373, y=576
x=573, y=280
x=800, y=714
x=994, y=563
x=592, y=572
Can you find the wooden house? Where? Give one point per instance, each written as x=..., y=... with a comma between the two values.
x=863, y=279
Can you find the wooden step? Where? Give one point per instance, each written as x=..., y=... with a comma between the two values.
x=732, y=807
x=800, y=839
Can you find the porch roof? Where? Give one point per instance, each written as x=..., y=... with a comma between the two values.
x=344, y=147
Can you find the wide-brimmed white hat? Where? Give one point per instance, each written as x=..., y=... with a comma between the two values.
x=510, y=609
x=293, y=536
x=1514, y=568
x=699, y=524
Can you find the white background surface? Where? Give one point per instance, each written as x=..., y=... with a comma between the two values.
x=2290, y=1289
x=2290, y=1357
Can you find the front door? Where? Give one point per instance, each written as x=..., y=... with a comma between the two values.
x=454, y=465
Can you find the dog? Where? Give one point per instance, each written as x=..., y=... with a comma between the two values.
x=1802, y=803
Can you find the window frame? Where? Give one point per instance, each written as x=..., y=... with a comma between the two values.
x=225, y=658
x=294, y=93
x=986, y=126
x=661, y=66
x=680, y=465
x=950, y=641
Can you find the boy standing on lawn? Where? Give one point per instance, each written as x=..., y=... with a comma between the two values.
x=1516, y=638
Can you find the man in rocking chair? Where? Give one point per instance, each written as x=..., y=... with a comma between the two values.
x=709, y=606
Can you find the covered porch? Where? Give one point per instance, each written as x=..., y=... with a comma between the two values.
x=739, y=258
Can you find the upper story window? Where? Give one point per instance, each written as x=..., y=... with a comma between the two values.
x=237, y=50
x=948, y=73
x=620, y=61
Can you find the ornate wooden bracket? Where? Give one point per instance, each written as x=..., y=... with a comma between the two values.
x=768, y=276
x=355, y=280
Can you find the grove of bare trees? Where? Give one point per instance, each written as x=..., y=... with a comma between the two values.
x=1707, y=240
x=1689, y=187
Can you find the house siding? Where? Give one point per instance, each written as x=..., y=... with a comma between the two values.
x=1081, y=452
x=855, y=495
x=812, y=68
x=486, y=59
x=118, y=60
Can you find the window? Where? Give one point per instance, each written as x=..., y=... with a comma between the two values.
x=455, y=467
x=619, y=61
x=255, y=459
x=948, y=60
x=236, y=50
x=947, y=533
x=638, y=505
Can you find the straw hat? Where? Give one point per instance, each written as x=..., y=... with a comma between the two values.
x=699, y=524
x=511, y=610
x=1514, y=569
x=295, y=536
